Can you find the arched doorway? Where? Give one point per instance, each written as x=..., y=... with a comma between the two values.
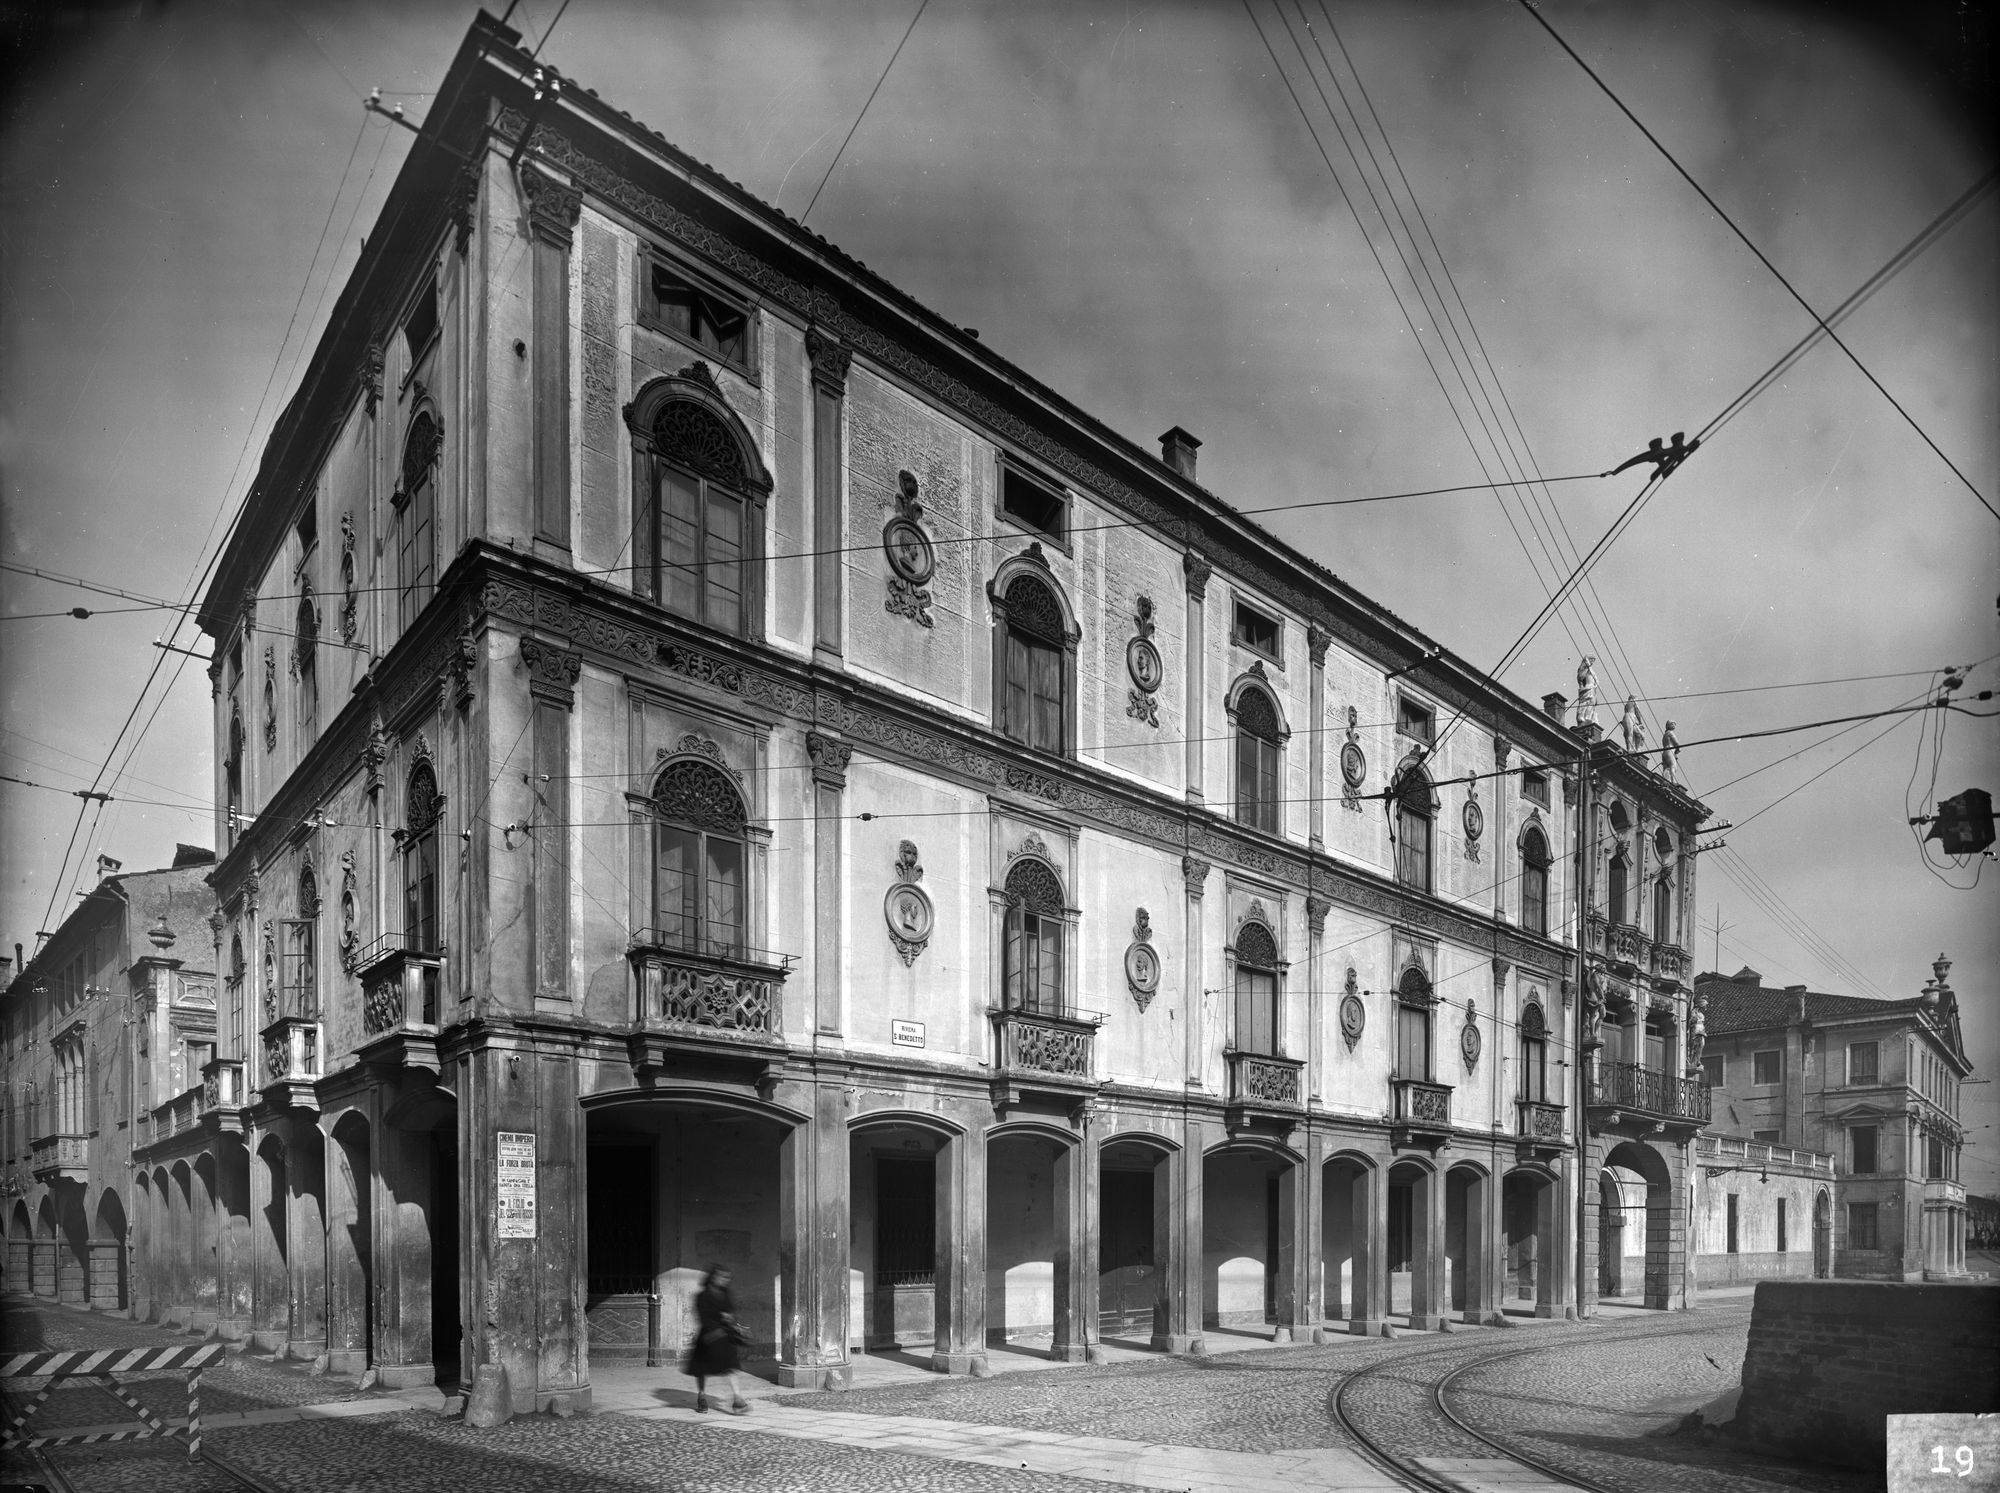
x=1353, y=1280
x=673, y=1188
x=73, y=1247
x=350, y=1262
x=1415, y=1236
x=1468, y=1243
x=1134, y=1240
x=1636, y=1202
x=1039, y=1282
x=1248, y=1223
x=20, y=1248
x=1822, y=1236
x=1531, y=1213
x=270, y=1239
x=893, y=1236
x=205, y=1234
x=110, y=1282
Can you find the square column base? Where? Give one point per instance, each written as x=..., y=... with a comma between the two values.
x=304, y=1349
x=405, y=1375
x=1368, y=1326
x=833, y=1376
x=1191, y=1344
x=1069, y=1353
x=1428, y=1322
x=345, y=1360
x=961, y=1363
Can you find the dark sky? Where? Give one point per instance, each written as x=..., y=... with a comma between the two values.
x=1124, y=200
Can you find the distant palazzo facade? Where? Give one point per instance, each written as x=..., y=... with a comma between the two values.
x=715, y=766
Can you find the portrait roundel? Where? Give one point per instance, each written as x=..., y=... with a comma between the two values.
x=1142, y=968
x=1353, y=1017
x=1142, y=659
x=1353, y=764
x=909, y=550
x=1468, y=1043
x=1475, y=819
x=908, y=912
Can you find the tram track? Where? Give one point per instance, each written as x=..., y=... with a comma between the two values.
x=1437, y=1430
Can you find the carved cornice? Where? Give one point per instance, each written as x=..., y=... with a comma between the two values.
x=1318, y=640
x=829, y=361
x=552, y=671
x=1194, y=871
x=829, y=759
x=1196, y=571
x=553, y=208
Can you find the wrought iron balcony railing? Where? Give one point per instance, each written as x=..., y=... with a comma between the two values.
x=1636, y=1089
x=1264, y=1081
x=1418, y=1104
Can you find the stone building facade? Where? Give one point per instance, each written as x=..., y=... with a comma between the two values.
x=1875, y=1084
x=1761, y=1211
x=110, y=1021
x=715, y=765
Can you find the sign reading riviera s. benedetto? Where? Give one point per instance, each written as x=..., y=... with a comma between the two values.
x=515, y=1185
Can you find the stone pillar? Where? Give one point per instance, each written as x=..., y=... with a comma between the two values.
x=399, y=1212
x=960, y=1346
x=829, y=362
x=204, y=1247
x=1194, y=874
x=1555, y=1272
x=1077, y=1225
x=1170, y=1319
x=813, y=1197
x=829, y=757
x=350, y=1237
x=72, y=1284
x=1500, y=839
x=553, y=208
x=1486, y=1245
x=21, y=1265
x=552, y=676
x=1430, y=1301
x=305, y=1239
x=270, y=1286
x=1297, y=1266
x=234, y=1264
x=105, y=1266
x=1368, y=1316
x=42, y=1270
x=1197, y=571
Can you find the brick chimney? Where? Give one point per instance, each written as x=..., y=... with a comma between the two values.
x=1177, y=450
x=108, y=866
x=1555, y=706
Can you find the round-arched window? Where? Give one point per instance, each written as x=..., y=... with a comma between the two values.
x=1033, y=704
x=1259, y=759
x=700, y=860
x=1032, y=961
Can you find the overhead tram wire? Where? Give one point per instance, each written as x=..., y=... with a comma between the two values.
x=1762, y=258
x=1347, y=199
x=921, y=4
x=1538, y=502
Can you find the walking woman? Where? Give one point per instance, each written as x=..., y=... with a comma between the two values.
x=718, y=1340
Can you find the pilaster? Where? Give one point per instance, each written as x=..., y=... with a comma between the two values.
x=829, y=361
x=961, y=1256
x=814, y=1190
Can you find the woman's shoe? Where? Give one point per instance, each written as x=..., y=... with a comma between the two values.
x=741, y=1407
x=701, y=1402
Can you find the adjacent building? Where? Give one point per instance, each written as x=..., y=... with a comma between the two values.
x=716, y=765
x=112, y=1019
x=1874, y=1085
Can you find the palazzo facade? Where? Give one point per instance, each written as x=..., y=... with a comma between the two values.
x=716, y=766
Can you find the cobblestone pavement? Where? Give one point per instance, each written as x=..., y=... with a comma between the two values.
x=1584, y=1398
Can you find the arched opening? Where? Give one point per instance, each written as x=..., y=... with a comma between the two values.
x=1027, y=1180
x=43, y=1281
x=204, y=1247
x=1249, y=1203
x=73, y=1248
x=1258, y=999
x=1414, y=813
x=110, y=1282
x=415, y=502
x=1419, y=1270
x=1531, y=1208
x=1636, y=1202
x=1134, y=1242
x=699, y=533
x=423, y=807
x=447, y=1310
x=350, y=1265
x=893, y=1238
x=1822, y=1236
x=1259, y=761
x=1535, y=881
x=1467, y=1244
x=20, y=1248
x=1034, y=649
x=701, y=860
x=270, y=1237
x=178, y=1287
x=1032, y=960
x=1351, y=1259
x=674, y=1187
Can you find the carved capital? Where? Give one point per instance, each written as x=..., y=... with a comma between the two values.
x=1197, y=571
x=369, y=376
x=553, y=208
x=460, y=666
x=1194, y=871
x=464, y=206
x=1318, y=640
x=552, y=671
x=1502, y=750
x=830, y=757
x=1316, y=911
x=829, y=362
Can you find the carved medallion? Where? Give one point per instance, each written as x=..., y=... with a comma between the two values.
x=1142, y=962
x=1353, y=763
x=1469, y=1038
x=1353, y=1014
x=907, y=907
x=912, y=558
x=1143, y=663
x=1474, y=817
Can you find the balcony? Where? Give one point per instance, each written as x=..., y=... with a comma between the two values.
x=1048, y=1052
x=401, y=987
x=721, y=1003
x=1540, y=1127
x=60, y=1158
x=1942, y=1192
x=1630, y=1091
x=1263, y=1087
x=1420, y=1112
x=1748, y=1154
x=223, y=1096
x=1670, y=963
x=291, y=1062
x=177, y=1116
x=1623, y=944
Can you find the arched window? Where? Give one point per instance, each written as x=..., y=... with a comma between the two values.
x=1535, y=881
x=423, y=807
x=416, y=520
x=1534, y=1054
x=700, y=861
x=1257, y=1026
x=1616, y=888
x=305, y=653
x=1033, y=666
x=231, y=1037
x=1413, y=1025
x=300, y=970
x=698, y=530
x=1258, y=738
x=1663, y=909
x=1415, y=808
x=1033, y=960
x=232, y=767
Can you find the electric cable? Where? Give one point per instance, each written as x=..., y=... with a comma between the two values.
x=862, y=115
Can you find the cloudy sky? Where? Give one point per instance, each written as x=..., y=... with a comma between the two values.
x=1126, y=200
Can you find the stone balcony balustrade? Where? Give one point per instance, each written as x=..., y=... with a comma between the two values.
x=1750, y=1153
x=1670, y=963
x=60, y=1157
x=401, y=988
x=717, y=1002
x=1943, y=1190
x=291, y=1062
x=223, y=1095
x=1629, y=950
x=1264, y=1086
x=1044, y=1051
x=1539, y=1125
x=1631, y=1089
x=1419, y=1111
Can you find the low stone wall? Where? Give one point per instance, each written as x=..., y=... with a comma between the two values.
x=1828, y=1360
